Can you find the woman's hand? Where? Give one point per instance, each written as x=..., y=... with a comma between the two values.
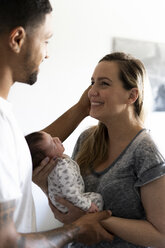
x=40, y=174
x=73, y=212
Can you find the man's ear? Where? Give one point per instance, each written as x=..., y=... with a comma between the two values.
x=133, y=95
x=16, y=39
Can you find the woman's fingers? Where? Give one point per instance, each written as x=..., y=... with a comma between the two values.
x=73, y=212
x=39, y=168
x=41, y=173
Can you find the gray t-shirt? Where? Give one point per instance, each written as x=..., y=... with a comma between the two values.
x=119, y=184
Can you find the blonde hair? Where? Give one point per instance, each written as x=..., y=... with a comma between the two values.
x=132, y=73
x=94, y=148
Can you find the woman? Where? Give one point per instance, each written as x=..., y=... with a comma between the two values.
x=119, y=159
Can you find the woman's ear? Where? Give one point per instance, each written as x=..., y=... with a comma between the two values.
x=16, y=39
x=133, y=95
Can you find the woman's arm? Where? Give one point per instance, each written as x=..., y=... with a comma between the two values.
x=66, y=123
x=150, y=232
x=73, y=212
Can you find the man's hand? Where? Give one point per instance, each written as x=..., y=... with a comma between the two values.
x=40, y=174
x=88, y=224
x=91, y=231
x=73, y=212
x=66, y=123
x=84, y=103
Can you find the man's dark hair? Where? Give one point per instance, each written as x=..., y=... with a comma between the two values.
x=33, y=140
x=25, y=13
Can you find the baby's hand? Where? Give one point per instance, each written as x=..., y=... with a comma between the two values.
x=93, y=208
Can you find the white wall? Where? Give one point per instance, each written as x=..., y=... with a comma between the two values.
x=83, y=32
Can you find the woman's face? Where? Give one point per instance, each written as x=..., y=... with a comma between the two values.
x=107, y=96
x=52, y=146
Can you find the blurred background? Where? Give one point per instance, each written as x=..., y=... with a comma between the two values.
x=83, y=33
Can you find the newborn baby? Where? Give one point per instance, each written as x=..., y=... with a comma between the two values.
x=65, y=179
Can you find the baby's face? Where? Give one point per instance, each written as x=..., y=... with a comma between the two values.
x=52, y=145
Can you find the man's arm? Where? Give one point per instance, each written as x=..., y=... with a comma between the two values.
x=66, y=123
x=88, y=225
x=62, y=128
x=8, y=235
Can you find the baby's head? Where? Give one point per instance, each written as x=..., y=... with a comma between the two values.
x=42, y=145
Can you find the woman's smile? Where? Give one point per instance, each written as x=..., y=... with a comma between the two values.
x=96, y=103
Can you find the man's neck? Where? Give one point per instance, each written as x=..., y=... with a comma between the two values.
x=5, y=82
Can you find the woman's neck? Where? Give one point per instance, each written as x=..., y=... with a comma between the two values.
x=123, y=130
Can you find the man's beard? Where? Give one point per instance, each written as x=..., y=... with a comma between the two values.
x=32, y=78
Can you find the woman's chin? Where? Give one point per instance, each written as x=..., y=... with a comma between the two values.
x=94, y=115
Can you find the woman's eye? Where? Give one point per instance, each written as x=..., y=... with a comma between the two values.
x=104, y=83
x=92, y=83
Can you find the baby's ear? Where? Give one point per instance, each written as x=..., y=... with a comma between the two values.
x=133, y=95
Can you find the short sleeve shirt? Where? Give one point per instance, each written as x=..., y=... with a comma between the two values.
x=119, y=184
x=15, y=170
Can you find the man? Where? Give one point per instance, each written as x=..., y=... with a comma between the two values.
x=25, y=28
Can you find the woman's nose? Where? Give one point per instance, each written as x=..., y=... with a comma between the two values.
x=93, y=91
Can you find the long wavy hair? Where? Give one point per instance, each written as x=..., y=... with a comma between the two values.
x=94, y=147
